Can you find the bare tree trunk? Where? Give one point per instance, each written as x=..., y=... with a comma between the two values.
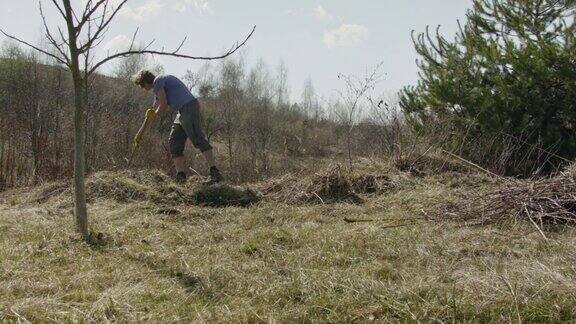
x=230, y=150
x=349, y=147
x=79, y=157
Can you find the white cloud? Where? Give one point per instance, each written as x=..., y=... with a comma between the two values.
x=180, y=6
x=201, y=7
x=347, y=35
x=149, y=9
x=321, y=13
x=118, y=43
x=152, y=8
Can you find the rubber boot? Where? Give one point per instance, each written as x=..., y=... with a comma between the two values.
x=181, y=177
x=215, y=176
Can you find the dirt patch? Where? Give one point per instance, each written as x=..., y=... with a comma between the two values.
x=222, y=195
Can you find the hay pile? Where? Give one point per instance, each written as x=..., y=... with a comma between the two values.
x=369, y=184
x=119, y=187
x=331, y=185
x=426, y=165
x=50, y=191
x=150, y=185
x=547, y=202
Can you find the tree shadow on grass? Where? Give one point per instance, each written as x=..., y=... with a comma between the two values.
x=192, y=283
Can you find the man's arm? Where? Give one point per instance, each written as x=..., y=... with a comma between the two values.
x=161, y=101
x=160, y=105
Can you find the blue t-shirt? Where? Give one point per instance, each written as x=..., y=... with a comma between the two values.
x=177, y=94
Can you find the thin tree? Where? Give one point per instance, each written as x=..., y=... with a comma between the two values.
x=310, y=105
x=354, y=96
x=85, y=31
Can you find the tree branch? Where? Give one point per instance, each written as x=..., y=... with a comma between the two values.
x=102, y=27
x=51, y=38
x=59, y=59
x=88, y=12
x=173, y=53
x=59, y=8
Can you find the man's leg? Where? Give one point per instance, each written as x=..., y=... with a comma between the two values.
x=177, y=143
x=191, y=121
x=180, y=164
x=209, y=156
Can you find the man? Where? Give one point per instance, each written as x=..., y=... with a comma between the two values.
x=170, y=92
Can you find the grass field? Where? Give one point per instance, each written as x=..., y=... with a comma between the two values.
x=281, y=263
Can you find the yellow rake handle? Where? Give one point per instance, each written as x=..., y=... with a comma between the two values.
x=150, y=114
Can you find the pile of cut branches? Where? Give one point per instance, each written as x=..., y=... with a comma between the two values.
x=545, y=202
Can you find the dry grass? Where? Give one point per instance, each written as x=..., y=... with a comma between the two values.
x=428, y=164
x=282, y=263
x=333, y=184
x=546, y=203
x=147, y=185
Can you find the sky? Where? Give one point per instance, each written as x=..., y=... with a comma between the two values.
x=316, y=39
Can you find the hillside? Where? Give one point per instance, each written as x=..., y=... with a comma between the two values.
x=372, y=245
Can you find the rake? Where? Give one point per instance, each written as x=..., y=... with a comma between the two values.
x=150, y=114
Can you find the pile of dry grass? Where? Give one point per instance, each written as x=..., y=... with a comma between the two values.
x=332, y=185
x=545, y=203
x=143, y=185
x=118, y=187
x=427, y=164
x=369, y=184
x=150, y=185
x=51, y=191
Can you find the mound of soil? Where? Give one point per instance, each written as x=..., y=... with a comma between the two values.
x=222, y=195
